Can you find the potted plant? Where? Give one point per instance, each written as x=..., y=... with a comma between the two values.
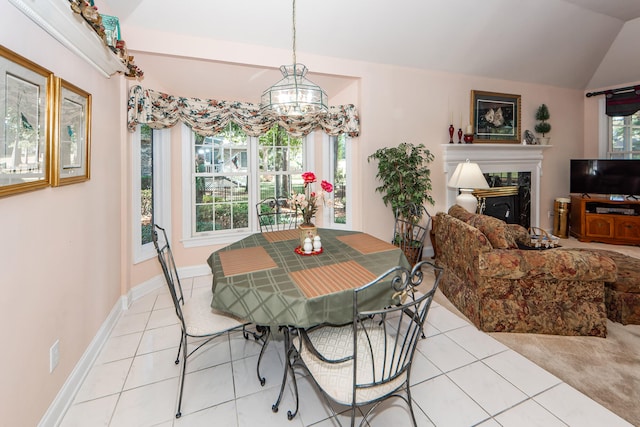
x=542, y=115
x=405, y=184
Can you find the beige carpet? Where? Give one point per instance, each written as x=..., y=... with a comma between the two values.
x=605, y=369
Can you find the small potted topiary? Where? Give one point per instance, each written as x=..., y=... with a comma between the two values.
x=542, y=115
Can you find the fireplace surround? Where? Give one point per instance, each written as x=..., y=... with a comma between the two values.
x=498, y=158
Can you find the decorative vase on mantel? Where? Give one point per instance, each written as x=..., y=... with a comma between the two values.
x=307, y=230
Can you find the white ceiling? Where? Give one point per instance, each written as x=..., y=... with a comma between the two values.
x=556, y=42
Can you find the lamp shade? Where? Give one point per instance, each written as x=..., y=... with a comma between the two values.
x=467, y=177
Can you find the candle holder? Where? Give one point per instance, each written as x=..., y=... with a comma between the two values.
x=468, y=138
x=451, y=131
x=460, y=136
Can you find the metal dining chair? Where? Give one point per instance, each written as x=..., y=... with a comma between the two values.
x=275, y=214
x=411, y=226
x=369, y=360
x=197, y=318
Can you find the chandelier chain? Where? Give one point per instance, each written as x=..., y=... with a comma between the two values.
x=294, y=32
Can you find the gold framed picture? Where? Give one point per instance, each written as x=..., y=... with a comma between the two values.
x=71, y=153
x=495, y=117
x=26, y=106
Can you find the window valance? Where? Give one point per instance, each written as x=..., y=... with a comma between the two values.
x=623, y=103
x=208, y=116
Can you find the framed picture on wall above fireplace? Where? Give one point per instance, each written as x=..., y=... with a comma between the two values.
x=495, y=117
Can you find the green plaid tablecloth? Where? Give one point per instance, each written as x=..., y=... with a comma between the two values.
x=271, y=297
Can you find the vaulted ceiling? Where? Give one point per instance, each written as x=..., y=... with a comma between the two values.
x=580, y=44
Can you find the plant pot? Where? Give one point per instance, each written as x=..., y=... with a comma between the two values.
x=307, y=230
x=544, y=140
x=412, y=250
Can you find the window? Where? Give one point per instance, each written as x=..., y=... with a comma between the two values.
x=146, y=184
x=221, y=181
x=228, y=173
x=624, y=137
x=338, y=158
x=150, y=201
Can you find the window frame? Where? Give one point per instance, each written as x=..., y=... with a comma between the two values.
x=161, y=189
x=628, y=153
x=328, y=143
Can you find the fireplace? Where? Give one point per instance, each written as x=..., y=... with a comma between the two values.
x=515, y=165
x=509, y=197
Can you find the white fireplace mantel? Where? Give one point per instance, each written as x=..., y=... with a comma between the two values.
x=498, y=158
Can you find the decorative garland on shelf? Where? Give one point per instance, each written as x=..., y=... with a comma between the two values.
x=90, y=14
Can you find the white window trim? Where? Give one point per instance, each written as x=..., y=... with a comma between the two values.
x=161, y=190
x=218, y=237
x=327, y=170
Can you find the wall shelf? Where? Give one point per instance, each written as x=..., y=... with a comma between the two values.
x=70, y=29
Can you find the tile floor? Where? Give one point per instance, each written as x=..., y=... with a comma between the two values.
x=461, y=377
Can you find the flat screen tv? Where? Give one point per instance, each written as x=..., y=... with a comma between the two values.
x=600, y=176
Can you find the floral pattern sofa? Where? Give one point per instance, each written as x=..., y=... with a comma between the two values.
x=502, y=288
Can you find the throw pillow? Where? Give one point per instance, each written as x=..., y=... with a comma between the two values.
x=496, y=231
x=460, y=213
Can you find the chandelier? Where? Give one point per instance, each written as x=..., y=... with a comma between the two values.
x=294, y=95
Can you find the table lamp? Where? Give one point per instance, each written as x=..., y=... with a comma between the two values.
x=467, y=177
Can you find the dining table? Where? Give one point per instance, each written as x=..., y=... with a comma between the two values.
x=264, y=279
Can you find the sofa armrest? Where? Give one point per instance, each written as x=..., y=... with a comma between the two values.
x=458, y=245
x=554, y=264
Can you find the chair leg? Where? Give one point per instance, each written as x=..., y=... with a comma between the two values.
x=182, y=338
x=409, y=402
x=183, y=341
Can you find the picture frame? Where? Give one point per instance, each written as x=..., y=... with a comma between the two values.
x=26, y=106
x=71, y=151
x=495, y=117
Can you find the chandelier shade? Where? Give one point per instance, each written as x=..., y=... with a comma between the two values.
x=294, y=95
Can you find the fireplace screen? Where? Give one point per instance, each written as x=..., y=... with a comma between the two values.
x=508, y=198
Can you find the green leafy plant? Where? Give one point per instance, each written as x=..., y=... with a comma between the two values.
x=405, y=175
x=542, y=115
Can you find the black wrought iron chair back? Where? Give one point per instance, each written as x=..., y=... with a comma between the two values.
x=276, y=214
x=369, y=360
x=412, y=224
x=197, y=319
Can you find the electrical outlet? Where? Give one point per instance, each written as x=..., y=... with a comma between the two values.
x=54, y=355
x=549, y=214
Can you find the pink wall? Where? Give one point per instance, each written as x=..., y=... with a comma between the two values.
x=60, y=255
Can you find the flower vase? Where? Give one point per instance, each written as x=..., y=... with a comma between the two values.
x=307, y=230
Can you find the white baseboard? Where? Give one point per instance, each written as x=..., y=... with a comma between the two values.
x=67, y=393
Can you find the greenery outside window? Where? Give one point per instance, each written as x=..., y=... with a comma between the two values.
x=624, y=137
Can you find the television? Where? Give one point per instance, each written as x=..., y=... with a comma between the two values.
x=602, y=176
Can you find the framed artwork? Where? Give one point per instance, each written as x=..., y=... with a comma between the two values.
x=26, y=106
x=71, y=151
x=495, y=117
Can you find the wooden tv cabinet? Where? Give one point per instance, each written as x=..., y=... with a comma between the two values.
x=598, y=219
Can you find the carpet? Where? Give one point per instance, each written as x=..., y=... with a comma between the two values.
x=605, y=369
